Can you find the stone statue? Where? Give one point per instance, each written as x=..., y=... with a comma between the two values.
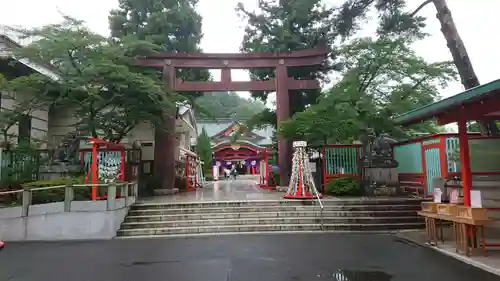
x=382, y=146
x=378, y=150
x=67, y=151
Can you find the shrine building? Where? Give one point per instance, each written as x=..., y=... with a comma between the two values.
x=245, y=150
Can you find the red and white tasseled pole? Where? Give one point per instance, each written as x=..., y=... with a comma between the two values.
x=301, y=183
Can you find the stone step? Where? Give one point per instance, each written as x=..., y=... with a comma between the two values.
x=268, y=221
x=285, y=208
x=326, y=214
x=326, y=202
x=214, y=229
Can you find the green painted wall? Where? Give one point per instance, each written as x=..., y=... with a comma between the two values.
x=409, y=157
x=484, y=155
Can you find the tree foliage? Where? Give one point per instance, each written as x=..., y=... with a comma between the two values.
x=382, y=78
x=173, y=25
x=395, y=19
x=227, y=105
x=204, y=150
x=95, y=78
x=283, y=26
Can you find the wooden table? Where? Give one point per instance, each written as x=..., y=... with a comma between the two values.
x=463, y=229
x=431, y=227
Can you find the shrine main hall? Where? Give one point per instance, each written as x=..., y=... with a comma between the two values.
x=244, y=150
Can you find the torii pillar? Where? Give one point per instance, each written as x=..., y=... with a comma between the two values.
x=282, y=114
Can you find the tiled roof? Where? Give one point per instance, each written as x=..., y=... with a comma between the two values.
x=431, y=110
x=214, y=127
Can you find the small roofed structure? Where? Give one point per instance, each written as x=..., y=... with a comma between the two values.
x=479, y=103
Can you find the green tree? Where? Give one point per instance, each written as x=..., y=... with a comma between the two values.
x=283, y=26
x=383, y=78
x=173, y=25
x=395, y=18
x=96, y=78
x=227, y=105
x=204, y=151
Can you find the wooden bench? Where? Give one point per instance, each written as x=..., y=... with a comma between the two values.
x=463, y=229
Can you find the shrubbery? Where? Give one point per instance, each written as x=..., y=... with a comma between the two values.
x=51, y=195
x=57, y=194
x=345, y=186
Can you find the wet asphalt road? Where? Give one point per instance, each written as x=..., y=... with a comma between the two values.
x=361, y=257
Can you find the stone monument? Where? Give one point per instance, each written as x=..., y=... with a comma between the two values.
x=378, y=164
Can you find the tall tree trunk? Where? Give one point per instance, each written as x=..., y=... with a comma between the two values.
x=460, y=57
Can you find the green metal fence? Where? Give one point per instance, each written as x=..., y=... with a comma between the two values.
x=21, y=165
x=341, y=160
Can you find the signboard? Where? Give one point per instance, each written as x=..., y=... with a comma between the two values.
x=437, y=195
x=475, y=199
x=299, y=144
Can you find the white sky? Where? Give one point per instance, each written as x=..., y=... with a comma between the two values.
x=476, y=20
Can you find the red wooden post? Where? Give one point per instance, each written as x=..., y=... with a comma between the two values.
x=283, y=113
x=93, y=169
x=122, y=166
x=443, y=161
x=465, y=160
x=165, y=142
x=197, y=163
x=424, y=170
x=186, y=173
x=323, y=159
x=267, y=169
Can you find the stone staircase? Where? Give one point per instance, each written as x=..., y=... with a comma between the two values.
x=165, y=219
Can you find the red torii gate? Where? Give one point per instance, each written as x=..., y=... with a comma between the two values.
x=169, y=62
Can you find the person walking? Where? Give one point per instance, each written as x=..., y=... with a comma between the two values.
x=233, y=171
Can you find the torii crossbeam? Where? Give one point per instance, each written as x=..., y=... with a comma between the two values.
x=281, y=83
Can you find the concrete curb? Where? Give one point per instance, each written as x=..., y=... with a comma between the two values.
x=454, y=255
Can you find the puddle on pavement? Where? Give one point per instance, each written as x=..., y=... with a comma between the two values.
x=359, y=275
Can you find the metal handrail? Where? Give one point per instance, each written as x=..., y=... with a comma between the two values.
x=316, y=193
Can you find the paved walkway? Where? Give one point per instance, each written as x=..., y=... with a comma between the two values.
x=243, y=188
x=490, y=262
x=337, y=257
